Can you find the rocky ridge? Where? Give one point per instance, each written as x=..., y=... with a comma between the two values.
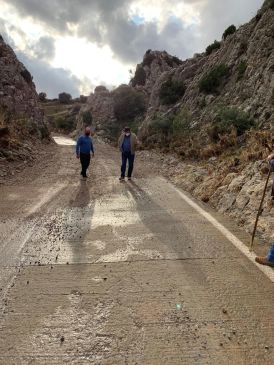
x=22, y=122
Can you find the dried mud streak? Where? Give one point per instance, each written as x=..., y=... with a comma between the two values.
x=149, y=281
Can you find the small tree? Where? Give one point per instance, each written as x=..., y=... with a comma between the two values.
x=229, y=118
x=128, y=104
x=64, y=98
x=241, y=69
x=171, y=91
x=230, y=30
x=212, y=47
x=212, y=80
x=42, y=96
x=87, y=118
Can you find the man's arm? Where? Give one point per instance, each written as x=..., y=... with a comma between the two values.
x=270, y=157
x=78, y=147
x=91, y=147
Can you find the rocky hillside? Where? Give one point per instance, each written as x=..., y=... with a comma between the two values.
x=127, y=104
x=214, y=111
x=22, y=121
x=236, y=73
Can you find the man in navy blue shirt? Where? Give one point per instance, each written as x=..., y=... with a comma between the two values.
x=84, y=148
x=127, y=145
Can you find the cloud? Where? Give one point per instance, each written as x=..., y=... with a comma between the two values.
x=107, y=22
x=44, y=48
x=126, y=27
x=49, y=79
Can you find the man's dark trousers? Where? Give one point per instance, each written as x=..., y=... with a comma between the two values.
x=127, y=156
x=85, y=161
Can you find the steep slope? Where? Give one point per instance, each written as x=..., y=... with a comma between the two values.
x=22, y=122
x=245, y=63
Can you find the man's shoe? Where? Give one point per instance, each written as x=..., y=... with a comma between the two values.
x=264, y=261
x=129, y=178
x=121, y=178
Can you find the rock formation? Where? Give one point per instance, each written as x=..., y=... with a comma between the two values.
x=248, y=55
x=21, y=118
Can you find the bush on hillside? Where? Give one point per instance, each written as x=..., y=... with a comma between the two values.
x=232, y=118
x=64, y=123
x=212, y=47
x=241, y=69
x=128, y=104
x=26, y=75
x=42, y=96
x=162, y=124
x=87, y=118
x=230, y=30
x=171, y=91
x=181, y=123
x=213, y=79
x=268, y=4
x=64, y=98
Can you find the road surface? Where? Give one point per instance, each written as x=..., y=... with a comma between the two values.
x=102, y=272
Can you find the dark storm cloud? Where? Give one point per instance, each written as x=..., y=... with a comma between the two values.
x=50, y=79
x=44, y=48
x=107, y=22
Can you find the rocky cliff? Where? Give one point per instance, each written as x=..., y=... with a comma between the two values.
x=239, y=74
x=21, y=118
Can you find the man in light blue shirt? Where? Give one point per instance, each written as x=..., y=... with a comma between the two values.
x=84, y=148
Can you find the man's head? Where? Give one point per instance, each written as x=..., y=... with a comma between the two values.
x=87, y=131
x=127, y=131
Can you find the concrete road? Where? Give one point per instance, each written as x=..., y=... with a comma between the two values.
x=102, y=272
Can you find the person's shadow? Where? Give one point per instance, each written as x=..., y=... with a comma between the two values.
x=79, y=218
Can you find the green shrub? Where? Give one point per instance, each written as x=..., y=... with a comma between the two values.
x=42, y=96
x=162, y=125
x=128, y=104
x=87, y=118
x=63, y=123
x=230, y=30
x=212, y=47
x=212, y=80
x=268, y=4
x=232, y=118
x=171, y=91
x=181, y=123
x=241, y=69
x=26, y=75
x=243, y=47
x=64, y=98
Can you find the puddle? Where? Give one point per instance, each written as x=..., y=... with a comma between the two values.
x=64, y=141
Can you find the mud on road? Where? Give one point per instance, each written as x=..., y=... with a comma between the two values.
x=102, y=272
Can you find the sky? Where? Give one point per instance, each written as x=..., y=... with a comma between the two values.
x=75, y=45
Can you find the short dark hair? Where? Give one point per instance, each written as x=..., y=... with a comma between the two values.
x=126, y=129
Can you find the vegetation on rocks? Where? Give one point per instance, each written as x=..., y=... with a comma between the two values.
x=229, y=31
x=268, y=4
x=229, y=119
x=212, y=47
x=211, y=81
x=171, y=91
x=241, y=69
x=64, y=98
x=87, y=118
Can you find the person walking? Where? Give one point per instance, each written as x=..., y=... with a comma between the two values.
x=127, y=144
x=84, y=148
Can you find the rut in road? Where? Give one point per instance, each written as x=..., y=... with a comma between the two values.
x=123, y=273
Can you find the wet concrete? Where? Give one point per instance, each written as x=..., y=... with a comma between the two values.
x=102, y=272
